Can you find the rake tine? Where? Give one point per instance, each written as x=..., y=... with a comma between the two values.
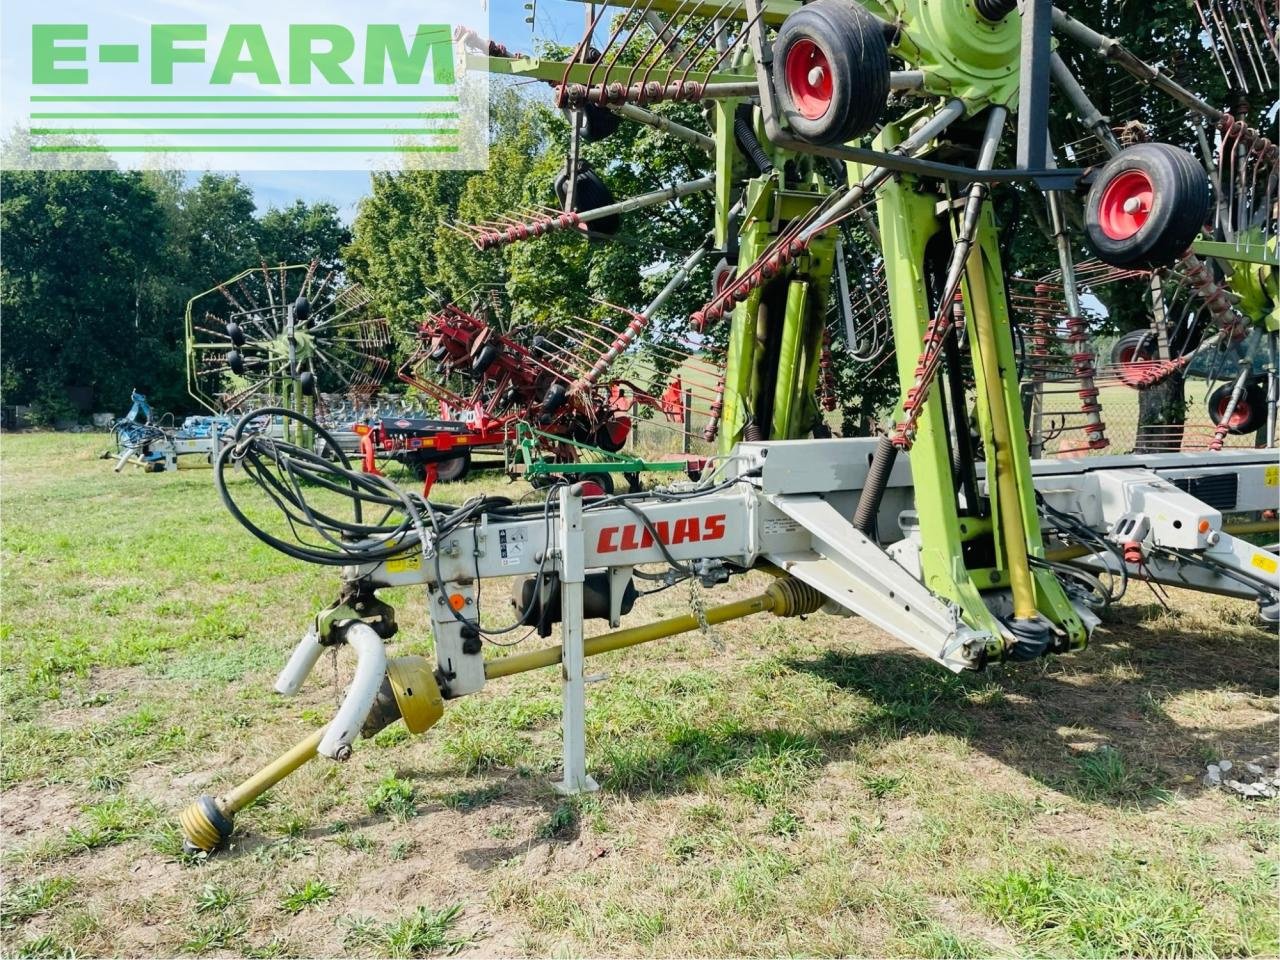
x=1211, y=33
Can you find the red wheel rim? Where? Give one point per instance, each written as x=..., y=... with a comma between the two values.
x=1125, y=205
x=1239, y=416
x=808, y=74
x=1131, y=354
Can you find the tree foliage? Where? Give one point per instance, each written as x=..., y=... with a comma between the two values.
x=98, y=266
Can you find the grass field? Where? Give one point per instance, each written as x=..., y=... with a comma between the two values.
x=783, y=787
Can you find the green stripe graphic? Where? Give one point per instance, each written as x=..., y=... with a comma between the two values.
x=90, y=115
x=224, y=148
x=240, y=131
x=239, y=99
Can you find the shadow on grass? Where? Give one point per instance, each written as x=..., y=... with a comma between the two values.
x=1092, y=724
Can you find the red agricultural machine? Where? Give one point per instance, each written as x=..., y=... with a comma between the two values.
x=495, y=389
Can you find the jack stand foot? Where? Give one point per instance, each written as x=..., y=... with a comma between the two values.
x=1034, y=638
x=585, y=784
x=1269, y=613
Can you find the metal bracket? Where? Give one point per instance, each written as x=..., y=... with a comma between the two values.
x=573, y=552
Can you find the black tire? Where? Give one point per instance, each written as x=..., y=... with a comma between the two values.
x=553, y=400
x=598, y=123
x=235, y=334
x=856, y=55
x=302, y=311
x=590, y=193
x=1136, y=346
x=235, y=360
x=603, y=439
x=1250, y=413
x=603, y=480
x=1171, y=192
x=453, y=469
x=483, y=360
x=307, y=381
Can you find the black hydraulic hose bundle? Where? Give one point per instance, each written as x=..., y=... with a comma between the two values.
x=747, y=139
x=284, y=471
x=873, y=488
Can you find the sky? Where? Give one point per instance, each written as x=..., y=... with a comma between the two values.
x=559, y=21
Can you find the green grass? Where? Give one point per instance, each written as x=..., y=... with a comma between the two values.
x=1141, y=915
x=22, y=902
x=423, y=933
x=810, y=788
x=395, y=797
x=307, y=895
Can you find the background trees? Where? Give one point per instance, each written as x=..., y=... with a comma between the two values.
x=98, y=267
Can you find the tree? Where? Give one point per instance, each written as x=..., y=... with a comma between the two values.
x=302, y=232
x=81, y=249
x=98, y=267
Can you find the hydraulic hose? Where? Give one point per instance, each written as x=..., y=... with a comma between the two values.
x=882, y=461
x=747, y=139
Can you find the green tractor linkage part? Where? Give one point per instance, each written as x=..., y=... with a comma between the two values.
x=530, y=442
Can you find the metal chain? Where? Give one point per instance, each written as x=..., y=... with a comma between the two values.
x=699, y=608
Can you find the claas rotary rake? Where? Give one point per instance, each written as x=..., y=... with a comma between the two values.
x=852, y=212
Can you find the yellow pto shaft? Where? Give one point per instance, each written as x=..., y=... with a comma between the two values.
x=207, y=823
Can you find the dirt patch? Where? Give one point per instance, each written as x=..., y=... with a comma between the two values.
x=964, y=922
x=29, y=809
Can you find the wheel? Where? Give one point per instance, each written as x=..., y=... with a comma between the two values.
x=455, y=468
x=307, y=381
x=598, y=123
x=235, y=360
x=602, y=480
x=1136, y=346
x=590, y=193
x=612, y=436
x=553, y=400
x=1146, y=206
x=302, y=311
x=1250, y=411
x=831, y=71
x=484, y=358
x=235, y=334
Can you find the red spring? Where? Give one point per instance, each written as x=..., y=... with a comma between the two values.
x=1217, y=299
x=770, y=264
x=489, y=239
x=935, y=335
x=1140, y=376
x=717, y=408
x=1133, y=552
x=1259, y=147
x=828, y=374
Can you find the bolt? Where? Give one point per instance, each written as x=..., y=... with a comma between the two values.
x=343, y=752
x=1132, y=205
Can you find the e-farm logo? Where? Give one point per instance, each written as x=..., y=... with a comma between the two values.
x=245, y=85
